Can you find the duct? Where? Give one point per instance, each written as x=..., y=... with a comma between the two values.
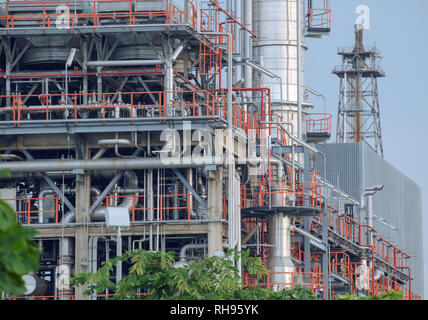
x=107, y=164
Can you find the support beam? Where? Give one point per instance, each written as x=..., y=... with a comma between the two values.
x=110, y=186
x=51, y=184
x=215, y=192
x=78, y=143
x=307, y=220
x=81, y=255
x=106, y=191
x=191, y=189
x=143, y=83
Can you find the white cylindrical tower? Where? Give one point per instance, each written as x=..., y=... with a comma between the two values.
x=275, y=23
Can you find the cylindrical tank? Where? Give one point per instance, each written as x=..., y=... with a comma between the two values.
x=137, y=47
x=48, y=52
x=34, y=285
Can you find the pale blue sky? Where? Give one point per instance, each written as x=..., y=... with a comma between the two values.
x=399, y=31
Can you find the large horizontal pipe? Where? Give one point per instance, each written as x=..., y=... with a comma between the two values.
x=107, y=164
x=123, y=63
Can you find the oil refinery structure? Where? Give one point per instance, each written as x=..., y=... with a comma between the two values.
x=186, y=126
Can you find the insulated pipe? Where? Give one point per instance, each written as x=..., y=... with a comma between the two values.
x=108, y=164
x=248, y=13
x=45, y=192
x=115, y=142
x=112, y=142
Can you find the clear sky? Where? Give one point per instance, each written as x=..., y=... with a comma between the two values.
x=400, y=32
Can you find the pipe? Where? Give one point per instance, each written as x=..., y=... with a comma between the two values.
x=107, y=164
x=410, y=280
x=66, y=218
x=112, y=142
x=115, y=142
x=10, y=157
x=123, y=63
x=177, y=52
x=187, y=247
x=190, y=180
x=77, y=74
x=43, y=194
x=248, y=13
x=299, y=68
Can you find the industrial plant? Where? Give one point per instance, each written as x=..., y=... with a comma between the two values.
x=186, y=126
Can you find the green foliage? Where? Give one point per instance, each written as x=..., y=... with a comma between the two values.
x=390, y=295
x=208, y=278
x=19, y=254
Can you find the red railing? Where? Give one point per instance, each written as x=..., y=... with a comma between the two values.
x=29, y=213
x=287, y=193
x=131, y=105
x=288, y=280
x=164, y=206
x=318, y=123
x=340, y=263
x=71, y=297
x=93, y=13
x=319, y=18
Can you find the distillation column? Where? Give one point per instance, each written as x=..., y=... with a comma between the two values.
x=275, y=23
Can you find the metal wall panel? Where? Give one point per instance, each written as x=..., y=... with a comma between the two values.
x=354, y=167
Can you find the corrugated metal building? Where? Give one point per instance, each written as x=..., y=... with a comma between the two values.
x=355, y=167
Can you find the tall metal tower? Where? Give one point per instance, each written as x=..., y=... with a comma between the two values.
x=358, y=117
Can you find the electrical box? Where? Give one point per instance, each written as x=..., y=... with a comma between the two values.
x=117, y=217
x=9, y=196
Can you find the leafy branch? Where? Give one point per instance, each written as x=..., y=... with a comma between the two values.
x=208, y=278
